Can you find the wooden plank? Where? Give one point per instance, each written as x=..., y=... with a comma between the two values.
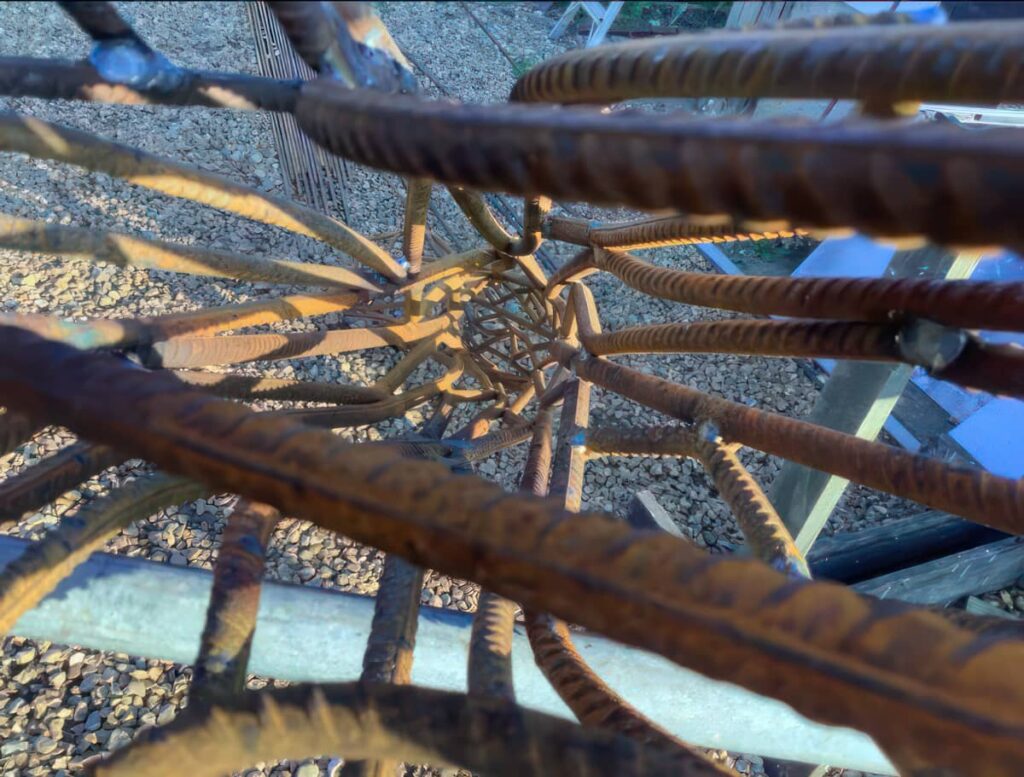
x=977, y=606
x=646, y=513
x=942, y=581
x=852, y=557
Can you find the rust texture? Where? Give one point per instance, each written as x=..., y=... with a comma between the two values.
x=790, y=175
x=654, y=232
x=712, y=614
x=489, y=328
x=41, y=484
x=972, y=63
x=367, y=721
x=414, y=230
x=234, y=602
x=974, y=304
x=977, y=495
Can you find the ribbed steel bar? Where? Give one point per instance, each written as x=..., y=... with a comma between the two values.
x=490, y=647
x=760, y=523
x=41, y=483
x=237, y=349
x=980, y=496
x=968, y=304
x=133, y=251
x=374, y=412
x=959, y=704
x=975, y=63
x=16, y=429
x=100, y=21
x=414, y=226
x=389, y=649
x=587, y=695
x=55, y=79
x=128, y=332
x=833, y=339
x=653, y=232
x=42, y=140
x=929, y=181
x=479, y=214
x=960, y=357
x=248, y=387
x=666, y=440
x=26, y=580
x=594, y=703
x=506, y=437
x=362, y=721
x=226, y=641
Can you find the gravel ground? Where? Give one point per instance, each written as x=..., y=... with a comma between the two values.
x=60, y=705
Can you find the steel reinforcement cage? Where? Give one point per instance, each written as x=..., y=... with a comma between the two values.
x=940, y=697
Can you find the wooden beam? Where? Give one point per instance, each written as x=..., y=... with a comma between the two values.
x=852, y=557
x=943, y=581
x=645, y=512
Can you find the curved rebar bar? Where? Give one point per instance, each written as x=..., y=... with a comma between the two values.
x=922, y=180
x=973, y=63
x=363, y=721
x=41, y=483
x=653, y=591
x=938, y=692
x=654, y=232
x=31, y=576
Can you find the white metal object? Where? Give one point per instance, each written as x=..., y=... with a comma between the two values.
x=602, y=16
x=312, y=635
x=968, y=114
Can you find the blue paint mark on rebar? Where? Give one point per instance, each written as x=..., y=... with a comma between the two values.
x=128, y=62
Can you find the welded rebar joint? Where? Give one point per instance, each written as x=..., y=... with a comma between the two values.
x=931, y=345
x=132, y=63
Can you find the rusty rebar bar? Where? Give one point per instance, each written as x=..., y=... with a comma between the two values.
x=363, y=721
x=43, y=482
x=974, y=494
x=972, y=62
x=968, y=304
x=731, y=619
x=922, y=180
x=226, y=640
x=654, y=232
x=30, y=577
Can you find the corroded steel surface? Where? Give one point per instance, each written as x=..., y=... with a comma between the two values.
x=732, y=619
x=789, y=175
x=234, y=602
x=972, y=63
x=489, y=329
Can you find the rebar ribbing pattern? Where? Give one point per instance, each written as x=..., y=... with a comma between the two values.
x=940, y=694
x=972, y=63
x=712, y=614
